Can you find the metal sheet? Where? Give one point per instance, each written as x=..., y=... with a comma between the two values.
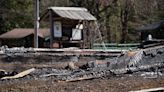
x=73, y=13
x=23, y=32
x=153, y=26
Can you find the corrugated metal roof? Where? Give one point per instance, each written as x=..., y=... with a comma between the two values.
x=23, y=32
x=74, y=13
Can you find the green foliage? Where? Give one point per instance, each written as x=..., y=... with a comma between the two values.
x=115, y=16
x=16, y=14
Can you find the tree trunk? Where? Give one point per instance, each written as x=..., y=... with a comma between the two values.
x=108, y=31
x=124, y=32
x=124, y=21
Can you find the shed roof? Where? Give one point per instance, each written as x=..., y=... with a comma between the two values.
x=153, y=26
x=23, y=32
x=74, y=13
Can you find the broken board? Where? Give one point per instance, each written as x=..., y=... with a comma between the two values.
x=19, y=75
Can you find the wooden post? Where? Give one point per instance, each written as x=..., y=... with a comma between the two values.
x=51, y=28
x=91, y=26
x=84, y=36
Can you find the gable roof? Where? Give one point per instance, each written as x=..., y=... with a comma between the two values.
x=23, y=32
x=74, y=13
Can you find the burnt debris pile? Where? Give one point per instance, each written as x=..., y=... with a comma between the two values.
x=139, y=60
x=150, y=59
x=133, y=61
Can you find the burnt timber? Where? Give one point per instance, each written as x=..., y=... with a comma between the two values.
x=62, y=52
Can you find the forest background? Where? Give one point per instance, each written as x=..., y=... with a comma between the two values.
x=118, y=19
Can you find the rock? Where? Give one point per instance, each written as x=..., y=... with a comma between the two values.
x=71, y=65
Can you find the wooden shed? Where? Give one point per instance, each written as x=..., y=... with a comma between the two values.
x=70, y=27
x=152, y=33
x=19, y=37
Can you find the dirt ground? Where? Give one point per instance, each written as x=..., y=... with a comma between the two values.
x=115, y=84
x=122, y=83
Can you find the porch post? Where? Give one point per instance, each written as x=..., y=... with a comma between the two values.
x=36, y=22
x=51, y=28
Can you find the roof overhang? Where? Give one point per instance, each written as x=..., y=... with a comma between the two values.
x=24, y=32
x=73, y=13
x=151, y=27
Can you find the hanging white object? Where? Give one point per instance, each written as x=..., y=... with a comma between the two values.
x=57, y=29
x=79, y=26
x=76, y=34
x=150, y=37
